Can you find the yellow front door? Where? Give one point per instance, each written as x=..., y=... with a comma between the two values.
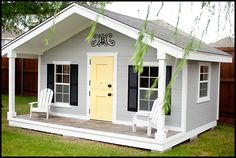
x=101, y=88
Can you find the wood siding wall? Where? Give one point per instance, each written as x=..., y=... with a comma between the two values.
x=227, y=83
x=26, y=76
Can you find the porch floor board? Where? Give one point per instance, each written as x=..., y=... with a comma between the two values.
x=93, y=125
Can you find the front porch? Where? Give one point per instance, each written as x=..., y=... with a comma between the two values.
x=94, y=130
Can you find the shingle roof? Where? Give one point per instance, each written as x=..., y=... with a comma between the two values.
x=160, y=31
x=6, y=34
x=225, y=42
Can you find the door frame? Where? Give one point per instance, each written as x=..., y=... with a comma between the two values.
x=114, y=100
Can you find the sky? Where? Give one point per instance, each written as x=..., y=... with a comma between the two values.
x=169, y=13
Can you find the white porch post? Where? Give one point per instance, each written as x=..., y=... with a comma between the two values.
x=160, y=135
x=11, y=94
x=39, y=75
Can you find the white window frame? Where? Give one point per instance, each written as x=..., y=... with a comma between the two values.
x=61, y=104
x=205, y=98
x=145, y=64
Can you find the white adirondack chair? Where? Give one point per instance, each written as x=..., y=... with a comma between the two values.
x=45, y=101
x=151, y=118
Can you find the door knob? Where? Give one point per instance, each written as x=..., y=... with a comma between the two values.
x=109, y=94
x=109, y=85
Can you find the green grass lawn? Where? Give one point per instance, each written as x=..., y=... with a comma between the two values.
x=22, y=142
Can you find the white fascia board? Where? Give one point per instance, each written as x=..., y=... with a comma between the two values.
x=37, y=30
x=209, y=57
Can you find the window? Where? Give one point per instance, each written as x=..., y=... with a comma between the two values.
x=146, y=79
x=204, y=82
x=62, y=83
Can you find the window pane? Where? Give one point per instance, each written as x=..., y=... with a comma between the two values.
x=65, y=98
x=144, y=82
x=59, y=88
x=203, y=92
x=142, y=94
x=154, y=71
x=66, y=69
x=65, y=78
x=58, y=97
x=143, y=105
x=153, y=95
x=65, y=88
x=152, y=80
x=59, y=69
x=203, y=85
x=205, y=77
x=145, y=71
x=59, y=78
x=201, y=77
x=205, y=69
x=150, y=105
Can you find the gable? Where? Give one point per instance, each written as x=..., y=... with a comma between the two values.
x=33, y=38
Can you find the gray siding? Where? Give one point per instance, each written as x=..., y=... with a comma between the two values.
x=199, y=114
x=75, y=50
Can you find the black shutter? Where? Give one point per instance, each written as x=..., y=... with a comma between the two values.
x=74, y=84
x=50, y=78
x=168, y=78
x=168, y=74
x=132, y=89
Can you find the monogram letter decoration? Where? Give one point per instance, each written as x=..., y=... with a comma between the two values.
x=102, y=39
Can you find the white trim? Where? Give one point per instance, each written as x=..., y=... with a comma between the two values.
x=160, y=135
x=70, y=116
x=130, y=123
x=11, y=87
x=7, y=38
x=127, y=123
x=62, y=62
x=209, y=57
x=190, y=134
x=146, y=63
x=114, y=55
x=62, y=105
x=115, y=138
x=206, y=98
x=184, y=97
x=218, y=94
x=38, y=29
x=39, y=76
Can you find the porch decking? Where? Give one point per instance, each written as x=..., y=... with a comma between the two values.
x=104, y=131
x=93, y=125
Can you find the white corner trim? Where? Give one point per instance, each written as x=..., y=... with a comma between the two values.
x=70, y=116
x=98, y=54
x=206, y=98
x=184, y=97
x=218, y=94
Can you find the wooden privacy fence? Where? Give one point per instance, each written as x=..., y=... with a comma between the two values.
x=227, y=94
x=26, y=76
